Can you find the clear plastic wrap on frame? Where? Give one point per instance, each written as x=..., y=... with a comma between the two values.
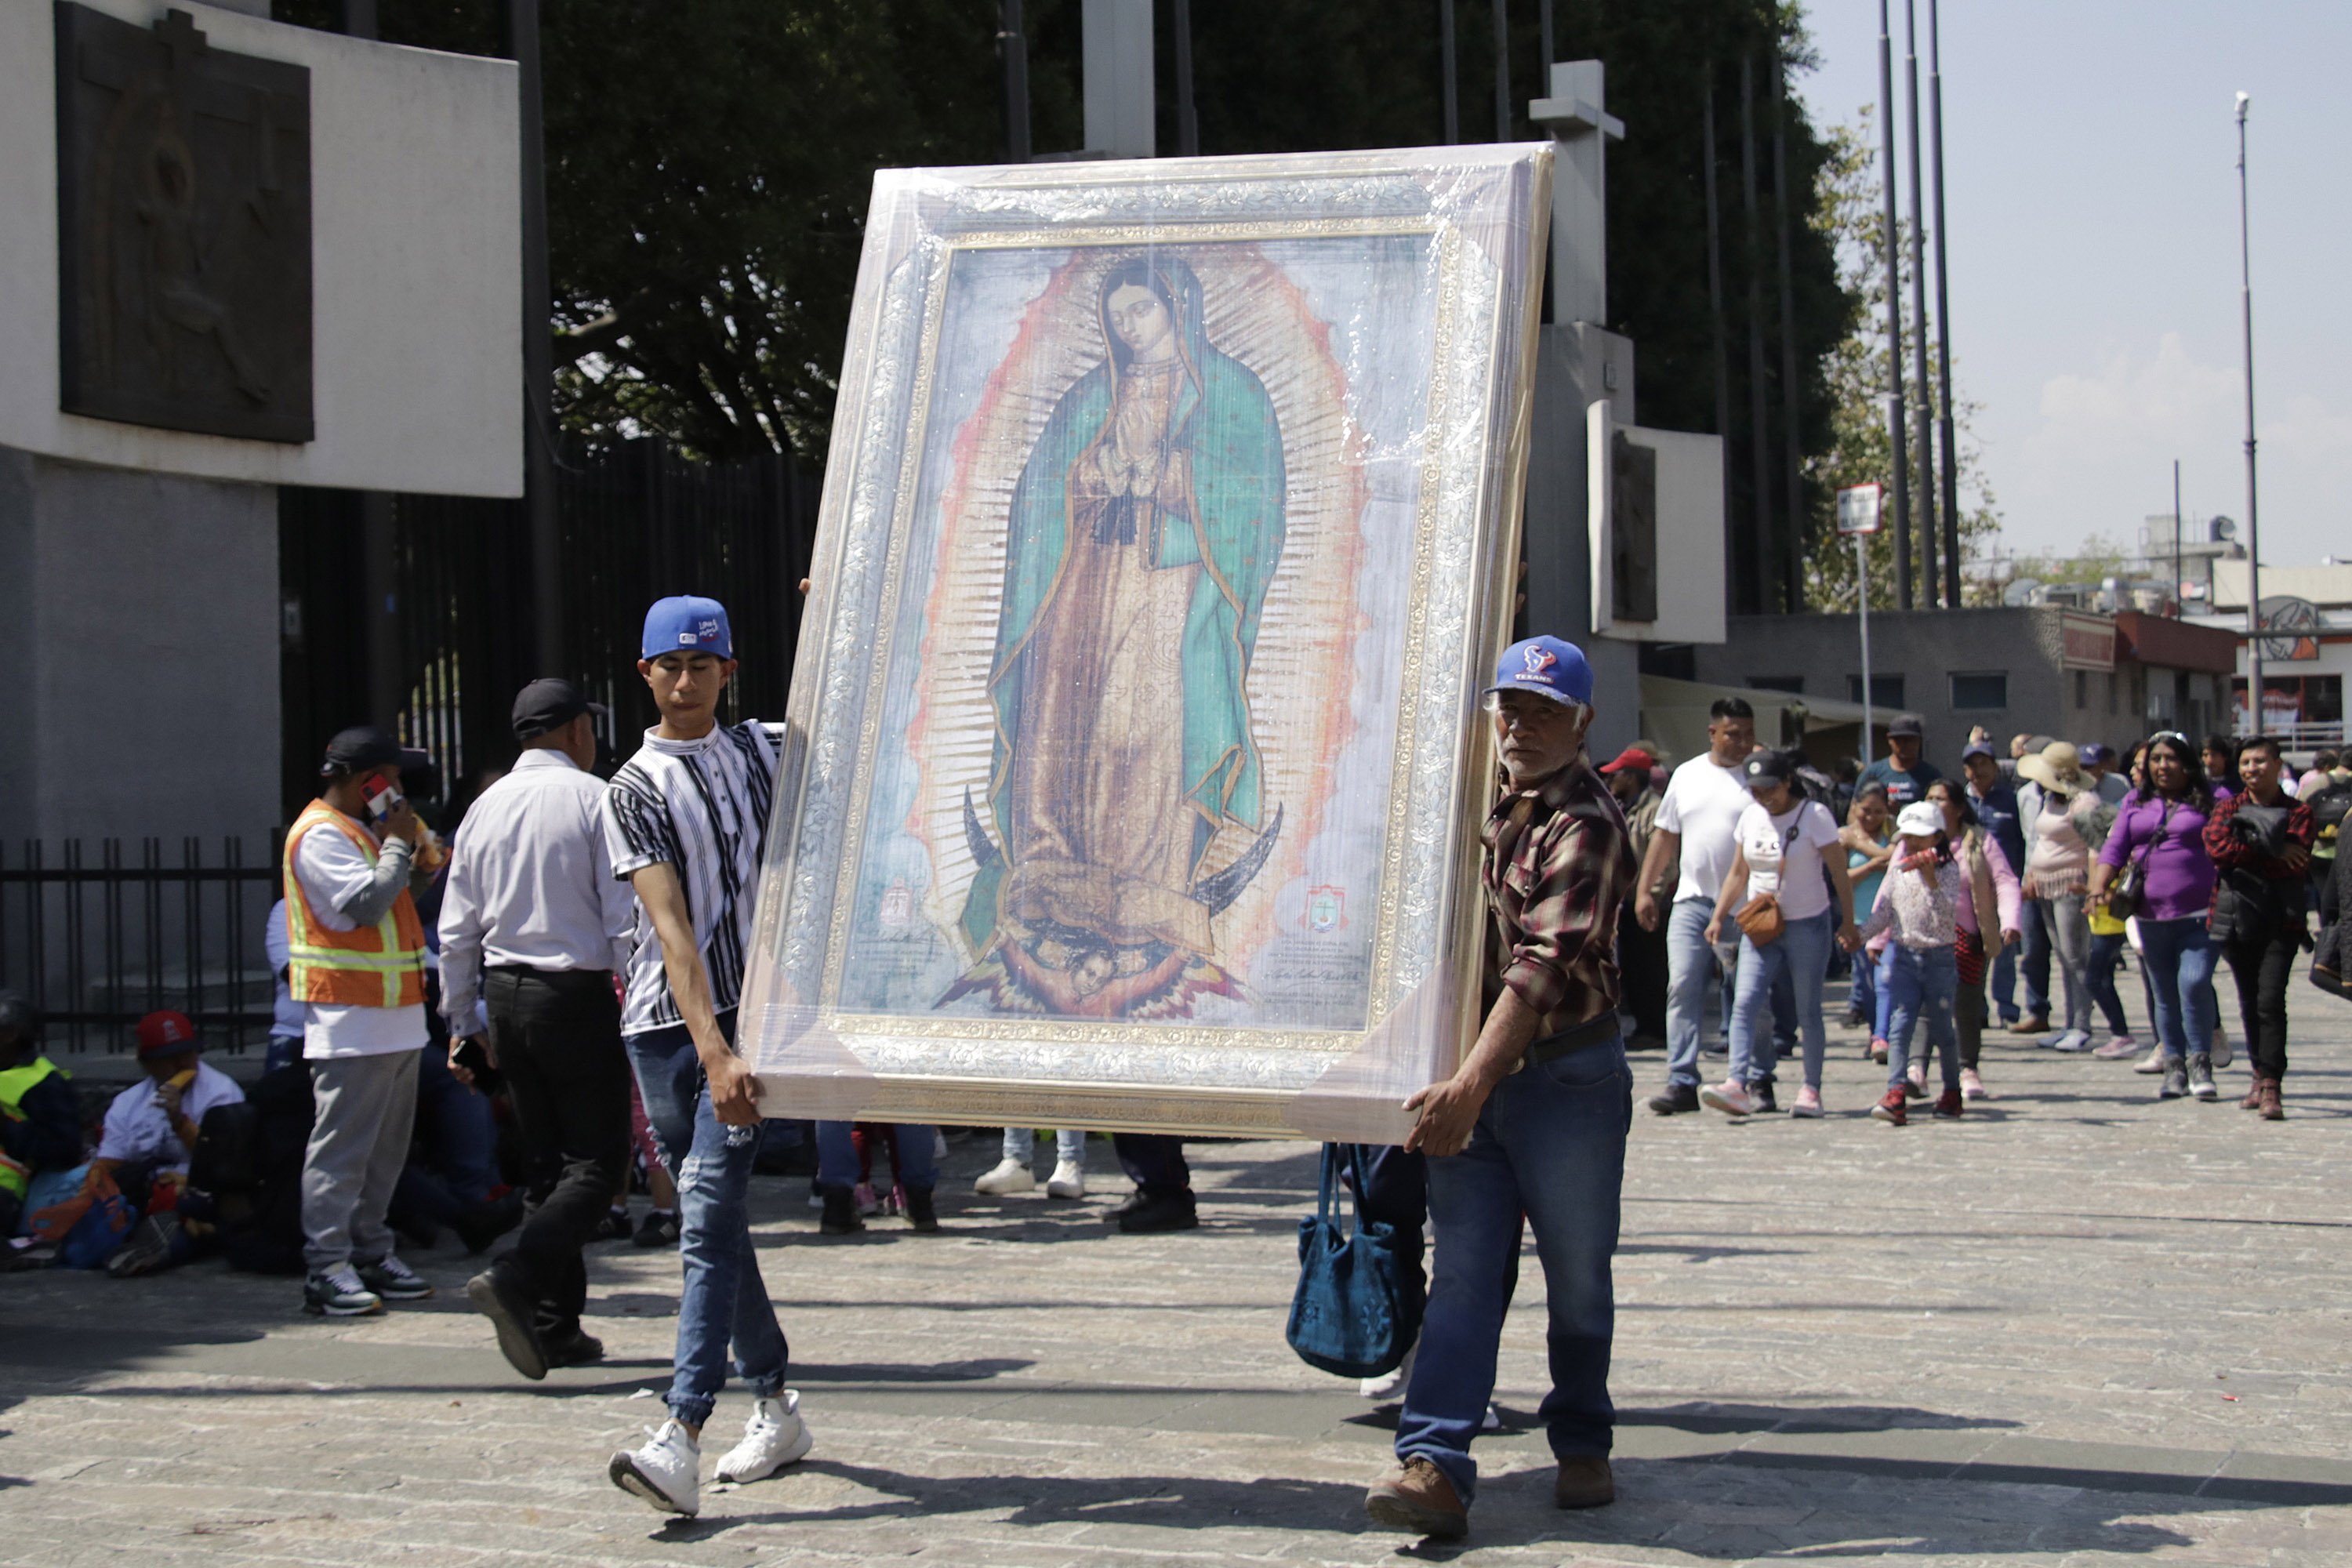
x=1133, y=770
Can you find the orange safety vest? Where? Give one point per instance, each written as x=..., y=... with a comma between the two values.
x=381, y=965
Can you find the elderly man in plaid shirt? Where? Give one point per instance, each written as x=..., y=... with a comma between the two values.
x=1533, y=1122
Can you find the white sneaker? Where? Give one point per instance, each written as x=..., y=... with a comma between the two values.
x=666, y=1472
x=1390, y=1385
x=1068, y=1181
x=938, y=1147
x=2072, y=1041
x=772, y=1438
x=1010, y=1177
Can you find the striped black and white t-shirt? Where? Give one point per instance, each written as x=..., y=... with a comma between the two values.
x=701, y=807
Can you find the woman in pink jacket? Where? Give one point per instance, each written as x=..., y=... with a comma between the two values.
x=1989, y=873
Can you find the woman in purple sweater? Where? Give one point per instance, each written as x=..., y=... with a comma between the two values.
x=2164, y=830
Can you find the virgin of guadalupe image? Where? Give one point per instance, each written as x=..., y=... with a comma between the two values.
x=1144, y=530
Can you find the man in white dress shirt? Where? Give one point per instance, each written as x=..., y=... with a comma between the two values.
x=533, y=922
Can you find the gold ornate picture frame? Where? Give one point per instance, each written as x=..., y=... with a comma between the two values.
x=1133, y=771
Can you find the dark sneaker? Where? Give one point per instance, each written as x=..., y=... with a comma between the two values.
x=393, y=1280
x=1166, y=1212
x=841, y=1216
x=2201, y=1078
x=920, y=1212
x=1948, y=1105
x=1760, y=1092
x=2175, y=1080
x=338, y=1293
x=1893, y=1108
x=658, y=1229
x=1678, y=1097
x=613, y=1227
x=579, y=1350
x=1584, y=1481
x=1419, y=1500
x=159, y=1242
x=512, y=1314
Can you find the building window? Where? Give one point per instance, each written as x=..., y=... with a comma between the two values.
x=1976, y=689
x=2082, y=690
x=1791, y=683
x=1885, y=691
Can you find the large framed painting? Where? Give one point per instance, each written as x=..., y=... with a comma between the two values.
x=1134, y=762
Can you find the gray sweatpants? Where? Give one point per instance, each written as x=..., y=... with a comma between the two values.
x=367, y=1109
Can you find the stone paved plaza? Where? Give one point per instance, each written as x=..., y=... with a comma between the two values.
x=2079, y=1326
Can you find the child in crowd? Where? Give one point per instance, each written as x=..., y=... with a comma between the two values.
x=1989, y=916
x=1866, y=854
x=1919, y=904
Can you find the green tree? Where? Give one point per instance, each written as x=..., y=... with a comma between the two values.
x=1851, y=214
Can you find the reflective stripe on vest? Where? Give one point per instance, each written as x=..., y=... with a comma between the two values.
x=15, y=1176
x=381, y=965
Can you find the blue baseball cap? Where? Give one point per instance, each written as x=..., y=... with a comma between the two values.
x=688, y=624
x=1548, y=665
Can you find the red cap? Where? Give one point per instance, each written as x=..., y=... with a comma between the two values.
x=1631, y=757
x=166, y=1031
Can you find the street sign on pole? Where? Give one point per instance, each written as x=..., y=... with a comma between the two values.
x=1859, y=509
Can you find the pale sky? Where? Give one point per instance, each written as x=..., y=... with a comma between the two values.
x=2091, y=190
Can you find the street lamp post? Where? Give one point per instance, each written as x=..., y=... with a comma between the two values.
x=2254, y=527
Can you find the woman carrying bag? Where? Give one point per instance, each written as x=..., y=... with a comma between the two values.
x=2154, y=869
x=1786, y=921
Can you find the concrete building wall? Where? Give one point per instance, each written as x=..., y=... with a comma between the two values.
x=1926, y=648
x=139, y=620
x=417, y=257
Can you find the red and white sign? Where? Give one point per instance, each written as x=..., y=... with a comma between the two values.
x=2086, y=642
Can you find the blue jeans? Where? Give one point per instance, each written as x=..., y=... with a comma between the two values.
x=1800, y=958
x=1922, y=982
x=1690, y=963
x=2004, y=984
x=1881, y=994
x=1549, y=1144
x=836, y=1156
x=1069, y=1145
x=1863, y=1002
x=723, y=1298
x=2106, y=954
x=2033, y=965
x=2179, y=958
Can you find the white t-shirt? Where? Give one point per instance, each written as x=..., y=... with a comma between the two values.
x=1704, y=802
x=137, y=1129
x=1784, y=856
x=332, y=869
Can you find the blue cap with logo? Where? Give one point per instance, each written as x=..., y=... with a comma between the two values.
x=687, y=624
x=1546, y=664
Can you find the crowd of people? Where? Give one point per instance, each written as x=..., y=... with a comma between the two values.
x=579, y=945
x=2008, y=897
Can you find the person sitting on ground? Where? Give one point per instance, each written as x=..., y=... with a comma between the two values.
x=151, y=1136
x=40, y=1115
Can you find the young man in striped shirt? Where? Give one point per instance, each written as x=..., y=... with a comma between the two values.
x=686, y=820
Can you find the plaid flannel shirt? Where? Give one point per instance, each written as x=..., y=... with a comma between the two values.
x=1558, y=864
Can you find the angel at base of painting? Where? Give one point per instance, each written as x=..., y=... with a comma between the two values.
x=1146, y=526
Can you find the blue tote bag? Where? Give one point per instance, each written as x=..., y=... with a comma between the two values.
x=1348, y=1315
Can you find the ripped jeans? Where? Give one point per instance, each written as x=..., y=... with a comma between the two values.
x=723, y=1298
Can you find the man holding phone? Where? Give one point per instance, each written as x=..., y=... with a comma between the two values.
x=534, y=924
x=355, y=951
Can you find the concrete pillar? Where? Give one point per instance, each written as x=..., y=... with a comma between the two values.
x=139, y=620
x=1120, y=122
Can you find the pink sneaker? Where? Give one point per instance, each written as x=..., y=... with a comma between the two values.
x=2118, y=1047
x=1728, y=1096
x=1971, y=1086
x=1878, y=1052
x=1809, y=1102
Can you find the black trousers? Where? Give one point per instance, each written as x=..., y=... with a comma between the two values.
x=1641, y=964
x=1154, y=1161
x=2262, y=965
x=557, y=1033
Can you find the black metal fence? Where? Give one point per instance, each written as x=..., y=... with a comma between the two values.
x=96, y=943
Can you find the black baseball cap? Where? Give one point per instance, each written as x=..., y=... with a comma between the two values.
x=1906, y=724
x=364, y=748
x=1762, y=769
x=548, y=704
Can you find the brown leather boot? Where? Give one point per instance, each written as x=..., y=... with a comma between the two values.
x=1420, y=1500
x=1584, y=1481
x=2270, y=1110
x=2254, y=1099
